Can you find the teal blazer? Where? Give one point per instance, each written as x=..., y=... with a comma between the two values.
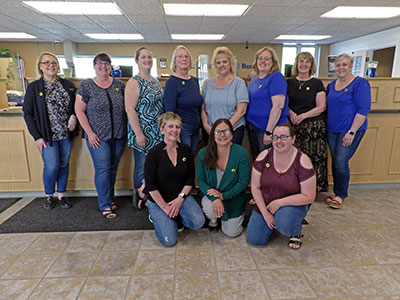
x=233, y=183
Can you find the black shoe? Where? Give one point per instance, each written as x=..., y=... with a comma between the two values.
x=64, y=203
x=48, y=203
x=179, y=224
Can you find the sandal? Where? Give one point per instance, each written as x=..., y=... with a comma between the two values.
x=138, y=201
x=295, y=241
x=108, y=213
x=335, y=202
x=252, y=202
x=113, y=206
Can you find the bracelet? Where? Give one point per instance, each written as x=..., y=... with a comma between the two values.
x=269, y=133
x=351, y=132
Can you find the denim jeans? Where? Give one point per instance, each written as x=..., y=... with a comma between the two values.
x=138, y=171
x=256, y=138
x=56, y=166
x=238, y=135
x=287, y=221
x=340, y=160
x=105, y=162
x=190, y=137
x=166, y=229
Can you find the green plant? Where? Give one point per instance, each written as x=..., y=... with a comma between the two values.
x=13, y=64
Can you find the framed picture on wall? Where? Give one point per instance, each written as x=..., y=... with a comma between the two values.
x=163, y=63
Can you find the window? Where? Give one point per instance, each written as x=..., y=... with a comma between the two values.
x=289, y=53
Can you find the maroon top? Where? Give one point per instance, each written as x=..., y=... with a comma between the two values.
x=275, y=185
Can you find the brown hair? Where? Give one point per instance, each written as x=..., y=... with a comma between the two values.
x=138, y=52
x=287, y=125
x=101, y=57
x=40, y=60
x=306, y=55
x=275, y=63
x=225, y=51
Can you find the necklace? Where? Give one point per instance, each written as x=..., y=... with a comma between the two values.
x=301, y=83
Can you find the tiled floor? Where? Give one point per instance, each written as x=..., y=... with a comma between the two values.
x=351, y=253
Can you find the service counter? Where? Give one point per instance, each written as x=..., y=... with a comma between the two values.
x=377, y=159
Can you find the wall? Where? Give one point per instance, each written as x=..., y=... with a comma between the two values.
x=323, y=60
x=385, y=58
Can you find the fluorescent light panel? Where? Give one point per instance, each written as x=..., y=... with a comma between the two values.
x=74, y=8
x=363, y=12
x=114, y=36
x=197, y=36
x=16, y=35
x=212, y=10
x=303, y=37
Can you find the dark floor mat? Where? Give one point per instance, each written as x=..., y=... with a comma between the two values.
x=6, y=203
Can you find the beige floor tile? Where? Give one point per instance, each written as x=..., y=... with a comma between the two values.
x=315, y=258
x=350, y=253
x=150, y=241
x=17, y=289
x=123, y=241
x=393, y=270
x=229, y=259
x=72, y=265
x=58, y=288
x=87, y=241
x=6, y=261
x=114, y=263
x=272, y=258
x=151, y=287
x=195, y=260
x=203, y=286
x=30, y=266
x=14, y=244
x=384, y=252
x=287, y=284
x=155, y=262
x=50, y=242
x=219, y=239
x=106, y=288
x=241, y=285
x=194, y=239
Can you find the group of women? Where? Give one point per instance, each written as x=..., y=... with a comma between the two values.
x=290, y=161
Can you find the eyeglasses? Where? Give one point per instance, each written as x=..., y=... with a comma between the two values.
x=260, y=58
x=48, y=63
x=282, y=137
x=225, y=131
x=303, y=61
x=182, y=56
x=103, y=63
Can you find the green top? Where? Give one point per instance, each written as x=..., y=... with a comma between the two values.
x=233, y=183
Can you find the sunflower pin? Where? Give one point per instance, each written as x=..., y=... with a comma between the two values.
x=267, y=165
x=183, y=83
x=183, y=158
x=345, y=90
x=260, y=86
x=212, y=84
x=117, y=89
x=308, y=88
x=40, y=94
x=233, y=170
x=148, y=88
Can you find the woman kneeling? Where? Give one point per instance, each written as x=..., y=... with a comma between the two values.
x=283, y=184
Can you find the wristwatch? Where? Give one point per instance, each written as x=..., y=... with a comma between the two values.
x=269, y=133
x=183, y=195
x=351, y=132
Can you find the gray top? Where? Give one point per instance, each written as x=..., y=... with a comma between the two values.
x=105, y=108
x=219, y=176
x=221, y=102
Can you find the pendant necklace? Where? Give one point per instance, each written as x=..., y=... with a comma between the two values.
x=301, y=83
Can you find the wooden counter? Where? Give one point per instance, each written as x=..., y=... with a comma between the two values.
x=377, y=159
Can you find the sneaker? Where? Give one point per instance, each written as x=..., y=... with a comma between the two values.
x=48, y=203
x=180, y=225
x=64, y=203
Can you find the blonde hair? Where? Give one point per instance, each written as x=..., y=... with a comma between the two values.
x=306, y=55
x=168, y=117
x=344, y=55
x=172, y=66
x=275, y=63
x=40, y=60
x=225, y=51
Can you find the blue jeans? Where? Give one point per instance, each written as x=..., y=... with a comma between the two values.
x=190, y=137
x=340, y=160
x=138, y=171
x=166, y=228
x=238, y=135
x=287, y=221
x=56, y=166
x=256, y=138
x=105, y=162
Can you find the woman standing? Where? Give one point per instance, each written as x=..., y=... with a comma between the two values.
x=283, y=184
x=144, y=104
x=307, y=103
x=101, y=112
x=223, y=171
x=182, y=95
x=49, y=115
x=268, y=105
x=349, y=102
x=169, y=176
x=225, y=96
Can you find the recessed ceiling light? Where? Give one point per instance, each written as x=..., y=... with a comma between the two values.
x=74, y=8
x=114, y=36
x=303, y=37
x=16, y=35
x=197, y=36
x=213, y=10
x=363, y=12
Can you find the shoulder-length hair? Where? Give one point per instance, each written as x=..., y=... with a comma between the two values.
x=40, y=60
x=304, y=55
x=275, y=63
x=211, y=155
x=225, y=51
x=173, y=66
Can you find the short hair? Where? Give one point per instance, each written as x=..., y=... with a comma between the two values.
x=101, y=57
x=172, y=66
x=138, y=52
x=287, y=125
x=275, y=63
x=306, y=55
x=168, y=117
x=344, y=55
x=40, y=60
x=226, y=52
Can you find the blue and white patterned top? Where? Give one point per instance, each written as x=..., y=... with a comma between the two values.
x=149, y=107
